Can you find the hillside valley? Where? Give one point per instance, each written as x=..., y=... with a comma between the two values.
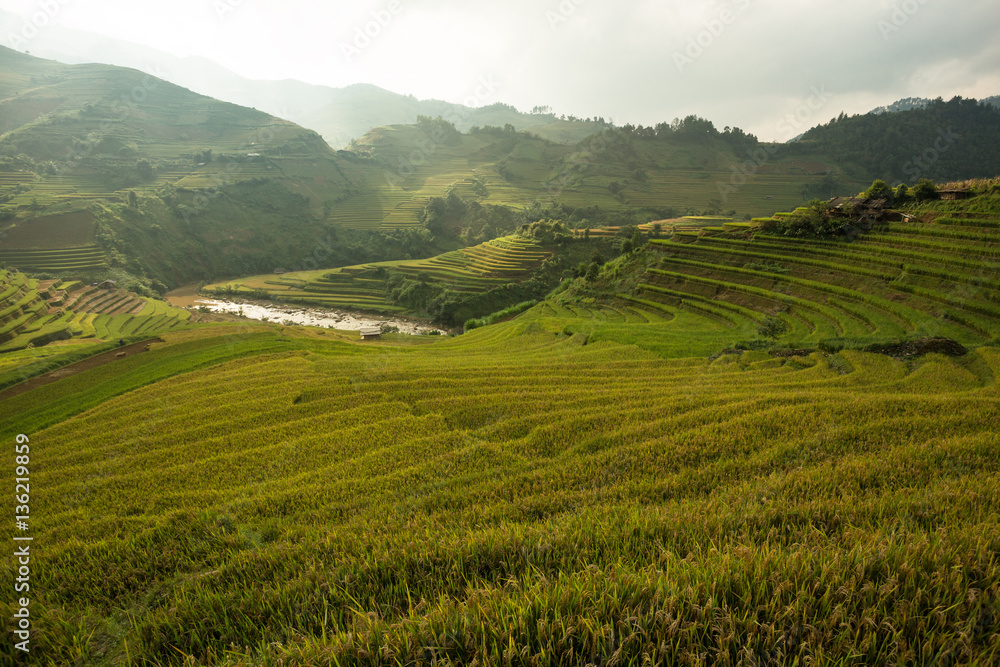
x=709, y=428
x=671, y=394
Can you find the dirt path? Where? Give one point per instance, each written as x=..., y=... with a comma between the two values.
x=78, y=367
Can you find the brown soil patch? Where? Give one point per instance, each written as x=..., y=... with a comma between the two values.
x=918, y=348
x=183, y=297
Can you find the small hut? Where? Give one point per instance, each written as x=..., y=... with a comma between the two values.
x=954, y=195
x=371, y=333
x=858, y=207
x=107, y=284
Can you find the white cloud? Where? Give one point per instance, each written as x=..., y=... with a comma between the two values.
x=736, y=62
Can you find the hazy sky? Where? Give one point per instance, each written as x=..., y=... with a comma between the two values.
x=772, y=67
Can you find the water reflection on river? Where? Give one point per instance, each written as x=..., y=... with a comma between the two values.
x=314, y=317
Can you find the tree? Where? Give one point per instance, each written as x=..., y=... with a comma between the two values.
x=902, y=194
x=924, y=190
x=657, y=229
x=441, y=214
x=880, y=190
x=440, y=130
x=772, y=328
x=145, y=170
x=593, y=271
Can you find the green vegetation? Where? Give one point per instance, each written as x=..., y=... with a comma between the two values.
x=943, y=141
x=67, y=261
x=170, y=187
x=511, y=491
x=174, y=188
x=498, y=316
x=150, y=178
x=746, y=286
x=55, y=313
x=682, y=452
x=675, y=431
x=450, y=288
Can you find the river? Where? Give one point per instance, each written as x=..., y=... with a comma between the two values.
x=307, y=316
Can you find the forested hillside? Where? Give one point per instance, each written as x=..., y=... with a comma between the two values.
x=942, y=141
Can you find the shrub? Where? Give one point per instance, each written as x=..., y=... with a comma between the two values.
x=516, y=309
x=772, y=328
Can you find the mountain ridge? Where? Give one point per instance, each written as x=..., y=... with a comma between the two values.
x=333, y=112
x=910, y=103
x=175, y=186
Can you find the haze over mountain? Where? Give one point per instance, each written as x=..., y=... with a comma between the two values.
x=339, y=114
x=740, y=63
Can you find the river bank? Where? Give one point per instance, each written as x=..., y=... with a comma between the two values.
x=283, y=313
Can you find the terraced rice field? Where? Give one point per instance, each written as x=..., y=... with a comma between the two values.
x=901, y=280
x=512, y=496
x=364, y=287
x=35, y=313
x=369, y=210
x=60, y=189
x=55, y=260
x=602, y=480
x=70, y=230
x=687, y=225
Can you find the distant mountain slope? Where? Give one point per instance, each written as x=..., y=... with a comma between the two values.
x=620, y=176
x=944, y=141
x=171, y=184
x=905, y=104
x=339, y=114
x=356, y=109
x=175, y=187
x=285, y=99
x=51, y=111
x=909, y=103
